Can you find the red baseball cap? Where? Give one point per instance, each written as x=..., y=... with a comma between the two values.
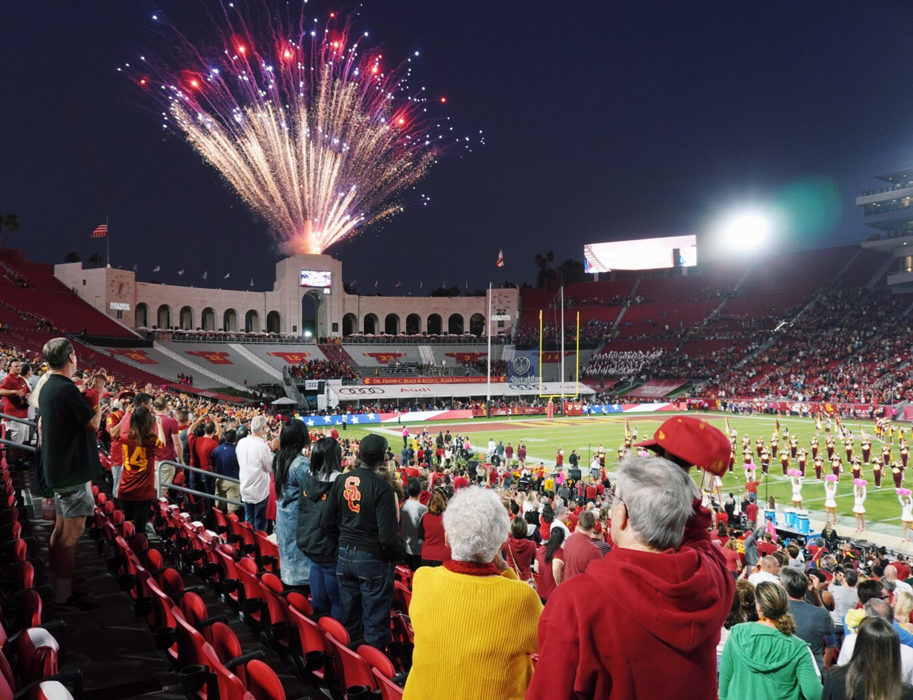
x=694, y=441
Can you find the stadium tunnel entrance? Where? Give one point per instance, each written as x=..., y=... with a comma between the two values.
x=313, y=314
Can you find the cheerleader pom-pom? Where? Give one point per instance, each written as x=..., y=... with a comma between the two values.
x=796, y=472
x=751, y=466
x=903, y=492
x=831, y=477
x=859, y=482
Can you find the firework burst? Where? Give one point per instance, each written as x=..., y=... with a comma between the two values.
x=306, y=125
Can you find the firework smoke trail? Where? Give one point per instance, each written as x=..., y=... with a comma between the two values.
x=309, y=129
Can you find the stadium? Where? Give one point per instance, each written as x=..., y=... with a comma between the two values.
x=300, y=490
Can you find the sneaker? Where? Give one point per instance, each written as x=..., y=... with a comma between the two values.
x=76, y=605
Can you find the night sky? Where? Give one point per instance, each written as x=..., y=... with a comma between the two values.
x=603, y=121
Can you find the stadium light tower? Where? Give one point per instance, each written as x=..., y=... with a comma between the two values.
x=746, y=231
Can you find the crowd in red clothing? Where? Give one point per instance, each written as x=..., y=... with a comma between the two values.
x=323, y=369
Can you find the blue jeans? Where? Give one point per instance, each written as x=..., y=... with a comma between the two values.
x=365, y=596
x=325, y=590
x=255, y=514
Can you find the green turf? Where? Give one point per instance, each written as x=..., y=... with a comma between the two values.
x=543, y=438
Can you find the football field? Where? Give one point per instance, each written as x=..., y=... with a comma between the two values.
x=543, y=437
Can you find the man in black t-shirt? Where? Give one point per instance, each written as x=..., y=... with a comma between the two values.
x=68, y=461
x=360, y=515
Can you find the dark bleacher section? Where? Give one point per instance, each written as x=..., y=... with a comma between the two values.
x=88, y=358
x=31, y=287
x=707, y=323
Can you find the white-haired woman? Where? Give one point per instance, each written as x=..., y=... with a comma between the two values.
x=474, y=621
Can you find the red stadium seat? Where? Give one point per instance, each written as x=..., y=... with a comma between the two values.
x=262, y=682
x=351, y=670
x=37, y=650
x=313, y=647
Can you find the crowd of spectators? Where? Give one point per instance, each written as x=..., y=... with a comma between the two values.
x=592, y=334
x=691, y=587
x=620, y=364
x=852, y=347
x=323, y=369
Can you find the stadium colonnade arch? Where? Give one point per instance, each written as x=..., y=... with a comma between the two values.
x=283, y=309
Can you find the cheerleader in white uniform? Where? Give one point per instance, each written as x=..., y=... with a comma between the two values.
x=795, y=478
x=906, y=513
x=830, y=498
x=859, y=494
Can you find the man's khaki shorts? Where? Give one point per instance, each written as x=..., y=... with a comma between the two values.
x=76, y=502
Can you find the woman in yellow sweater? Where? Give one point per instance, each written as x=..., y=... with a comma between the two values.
x=474, y=621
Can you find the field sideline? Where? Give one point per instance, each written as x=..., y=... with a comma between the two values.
x=543, y=437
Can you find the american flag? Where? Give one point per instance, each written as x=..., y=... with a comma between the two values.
x=100, y=231
x=500, y=261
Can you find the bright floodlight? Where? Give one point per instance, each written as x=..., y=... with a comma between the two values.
x=746, y=231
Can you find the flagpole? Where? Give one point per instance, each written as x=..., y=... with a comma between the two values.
x=540, y=352
x=107, y=243
x=488, y=381
x=577, y=359
x=561, y=378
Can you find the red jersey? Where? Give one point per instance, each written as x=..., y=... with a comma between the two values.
x=137, y=482
x=433, y=546
x=117, y=454
x=170, y=429
x=203, y=447
x=14, y=405
x=546, y=582
x=766, y=548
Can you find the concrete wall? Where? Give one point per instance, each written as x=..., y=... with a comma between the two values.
x=115, y=291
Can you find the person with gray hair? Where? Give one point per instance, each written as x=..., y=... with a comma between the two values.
x=644, y=621
x=878, y=607
x=474, y=621
x=255, y=466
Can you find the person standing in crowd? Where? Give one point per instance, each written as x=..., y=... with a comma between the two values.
x=813, y=624
x=203, y=447
x=435, y=550
x=664, y=588
x=550, y=564
x=15, y=391
x=113, y=426
x=360, y=516
x=875, y=670
x=326, y=459
x=765, y=659
x=474, y=621
x=225, y=464
x=137, y=484
x=579, y=549
x=172, y=448
x=255, y=465
x=411, y=514
x=878, y=607
x=290, y=466
x=519, y=550
x=68, y=461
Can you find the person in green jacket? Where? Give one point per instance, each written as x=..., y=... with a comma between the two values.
x=765, y=659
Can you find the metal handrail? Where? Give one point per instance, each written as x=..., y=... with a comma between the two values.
x=184, y=489
x=26, y=421
x=24, y=446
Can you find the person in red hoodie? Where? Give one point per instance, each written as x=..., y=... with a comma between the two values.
x=644, y=621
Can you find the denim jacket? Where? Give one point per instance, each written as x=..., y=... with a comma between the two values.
x=294, y=566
